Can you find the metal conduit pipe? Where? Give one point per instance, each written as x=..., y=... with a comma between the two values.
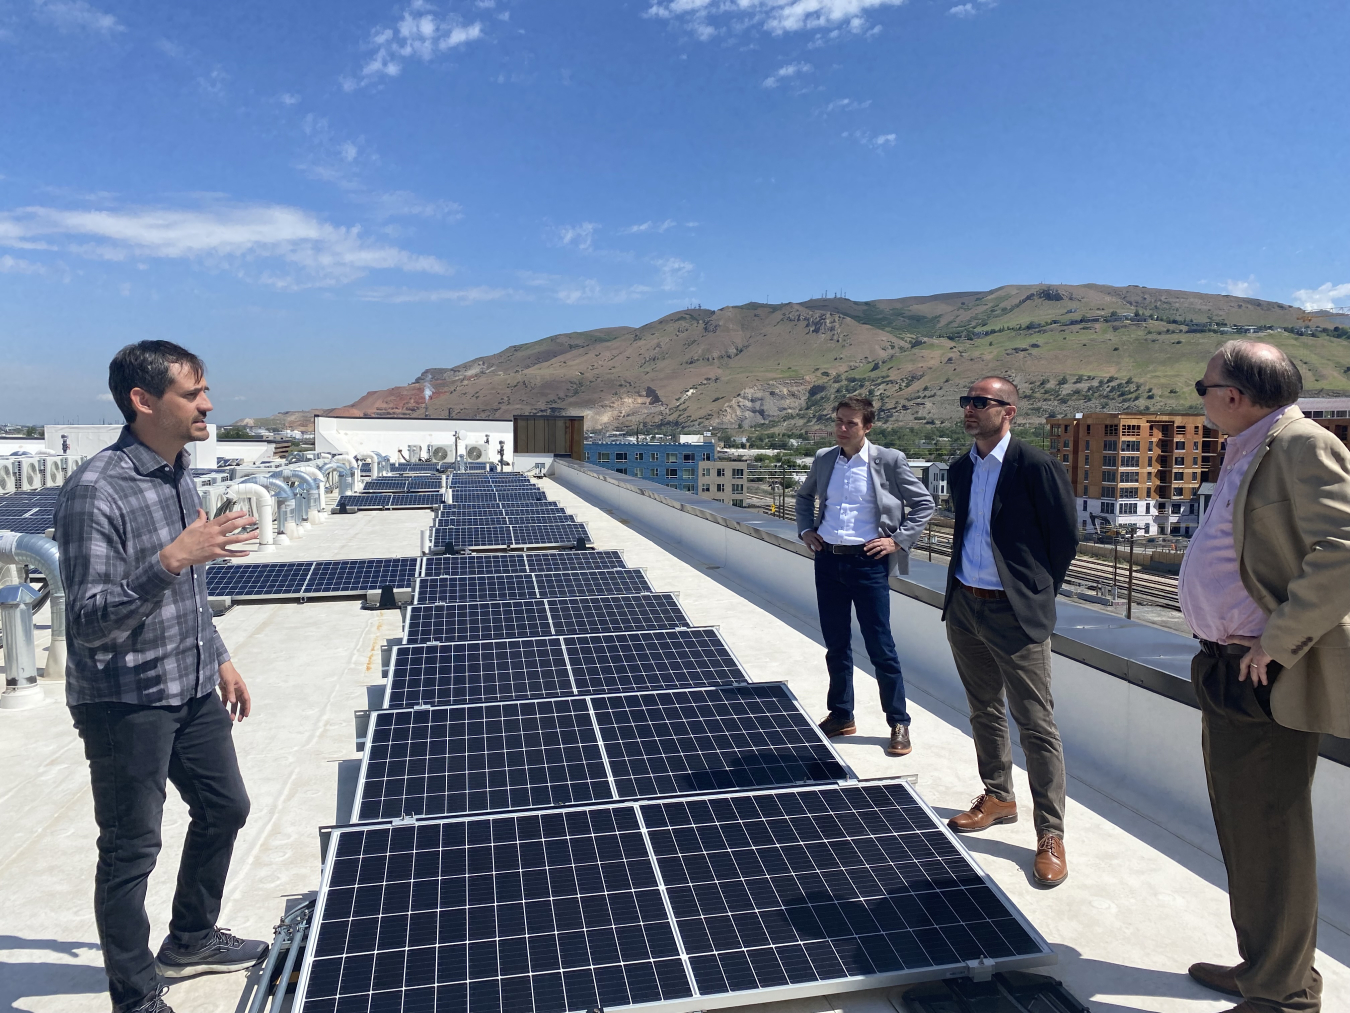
x=286, y=526
x=344, y=474
x=310, y=491
x=41, y=552
x=259, y=501
x=319, y=492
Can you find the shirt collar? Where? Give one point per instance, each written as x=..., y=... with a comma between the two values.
x=997, y=453
x=1249, y=439
x=143, y=459
x=864, y=453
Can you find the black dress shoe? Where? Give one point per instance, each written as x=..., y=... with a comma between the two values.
x=899, y=742
x=833, y=726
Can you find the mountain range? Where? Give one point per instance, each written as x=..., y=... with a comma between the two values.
x=1068, y=347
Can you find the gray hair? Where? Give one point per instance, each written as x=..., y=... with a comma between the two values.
x=1263, y=372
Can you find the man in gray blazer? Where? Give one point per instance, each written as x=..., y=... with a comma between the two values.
x=861, y=510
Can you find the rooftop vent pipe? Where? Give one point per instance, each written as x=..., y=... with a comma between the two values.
x=311, y=482
x=287, y=527
x=41, y=552
x=260, y=504
x=344, y=474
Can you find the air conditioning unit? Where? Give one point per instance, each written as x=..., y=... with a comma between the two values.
x=7, y=483
x=56, y=470
x=442, y=452
x=414, y=451
x=30, y=473
x=477, y=452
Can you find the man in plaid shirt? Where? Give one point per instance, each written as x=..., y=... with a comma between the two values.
x=144, y=665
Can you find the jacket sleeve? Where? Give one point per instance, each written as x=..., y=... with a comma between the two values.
x=806, y=501
x=918, y=504
x=1319, y=596
x=1057, y=518
x=105, y=597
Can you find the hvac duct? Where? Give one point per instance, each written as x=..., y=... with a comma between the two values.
x=41, y=552
x=310, y=490
x=287, y=526
x=320, y=490
x=260, y=503
x=344, y=473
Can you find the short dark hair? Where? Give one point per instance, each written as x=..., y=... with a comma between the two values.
x=147, y=365
x=1263, y=372
x=1011, y=392
x=858, y=403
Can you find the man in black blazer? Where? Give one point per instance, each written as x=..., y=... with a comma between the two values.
x=1015, y=535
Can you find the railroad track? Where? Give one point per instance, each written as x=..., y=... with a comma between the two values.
x=1157, y=590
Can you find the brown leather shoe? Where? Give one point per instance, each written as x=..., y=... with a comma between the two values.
x=833, y=726
x=985, y=811
x=1050, y=868
x=1216, y=977
x=899, y=742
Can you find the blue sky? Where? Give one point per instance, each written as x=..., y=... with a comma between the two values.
x=324, y=199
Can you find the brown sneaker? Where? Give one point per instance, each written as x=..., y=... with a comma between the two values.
x=1050, y=868
x=833, y=726
x=985, y=811
x=899, y=742
x=1216, y=977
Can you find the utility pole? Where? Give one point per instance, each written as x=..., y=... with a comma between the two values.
x=1129, y=587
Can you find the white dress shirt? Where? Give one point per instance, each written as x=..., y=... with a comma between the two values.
x=851, y=512
x=977, y=567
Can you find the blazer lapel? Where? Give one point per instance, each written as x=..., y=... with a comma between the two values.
x=1240, y=497
x=825, y=462
x=1012, y=459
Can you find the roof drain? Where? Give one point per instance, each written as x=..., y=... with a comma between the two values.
x=41, y=552
x=260, y=501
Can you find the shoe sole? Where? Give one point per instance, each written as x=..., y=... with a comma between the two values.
x=842, y=731
x=1048, y=884
x=899, y=752
x=191, y=971
x=977, y=830
x=1212, y=987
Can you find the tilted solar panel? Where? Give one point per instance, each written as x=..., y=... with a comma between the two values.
x=334, y=576
x=552, y=562
x=548, y=534
x=473, y=537
x=681, y=904
x=28, y=525
x=484, y=587
x=616, y=614
x=588, y=583
x=470, y=566
x=484, y=620
x=386, y=485
x=363, y=501
x=654, y=658
x=258, y=580
x=427, y=500
x=444, y=674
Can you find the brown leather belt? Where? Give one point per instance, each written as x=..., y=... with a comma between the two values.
x=984, y=592
x=1222, y=650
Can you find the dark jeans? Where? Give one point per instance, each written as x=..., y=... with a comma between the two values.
x=996, y=660
x=845, y=584
x=132, y=750
x=1260, y=777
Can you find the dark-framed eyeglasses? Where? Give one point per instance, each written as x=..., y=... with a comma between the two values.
x=1203, y=388
x=980, y=403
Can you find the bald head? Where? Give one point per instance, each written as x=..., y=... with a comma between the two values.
x=1263, y=373
x=994, y=386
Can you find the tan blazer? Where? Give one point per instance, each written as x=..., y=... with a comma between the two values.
x=1291, y=527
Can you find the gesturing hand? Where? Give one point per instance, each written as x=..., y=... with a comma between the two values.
x=204, y=540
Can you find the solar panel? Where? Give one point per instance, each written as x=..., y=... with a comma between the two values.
x=258, y=580
x=425, y=500
x=28, y=525
x=482, y=620
x=548, y=534
x=484, y=587
x=616, y=614
x=448, y=761
x=346, y=576
x=655, y=658
x=591, y=582
x=681, y=904
x=494, y=670
x=363, y=501
x=445, y=674
x=552, y=562
x=472, y=566
x=387, y=485
x=498, y=536
x=481, y=758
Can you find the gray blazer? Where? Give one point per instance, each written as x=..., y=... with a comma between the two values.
x=903, y=502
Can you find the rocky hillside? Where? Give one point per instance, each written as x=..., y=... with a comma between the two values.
x=1070, y=348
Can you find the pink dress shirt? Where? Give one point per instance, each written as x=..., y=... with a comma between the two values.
x=1213, y=600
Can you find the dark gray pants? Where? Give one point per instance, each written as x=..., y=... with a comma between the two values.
x=1260, y=778
x=994, y=658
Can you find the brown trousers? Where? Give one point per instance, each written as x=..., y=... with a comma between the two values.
x=994, y=657
x=1260, y=778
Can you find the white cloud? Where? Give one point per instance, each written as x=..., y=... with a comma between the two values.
x=77, y=16
x=105, y=396
x=1246, y=288
x=673, y=272
x=969, y=10
x=783, y=73
x=287, y=98
x=669, y=223
x=243, y=238
x=462, y=296
x=1324, y=297
x=420, y=33
x=774, y=16
x=578, y=236
x=13, y=265
x=844, y=105
x=870, y=140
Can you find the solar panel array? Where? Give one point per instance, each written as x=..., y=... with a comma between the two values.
x=305, y=579
x=426, y=484
x=507, y=620
x=501, y=586
x=400, y=498
x=28, y=511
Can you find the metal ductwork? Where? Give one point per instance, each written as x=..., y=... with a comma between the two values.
x=344, y=473
x=309, y=493
x=40, y=552
x=260, y=501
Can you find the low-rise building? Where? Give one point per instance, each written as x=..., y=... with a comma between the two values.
x=674, y=465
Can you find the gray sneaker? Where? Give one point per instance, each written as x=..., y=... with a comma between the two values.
x=219, y=953
x=152, y=1003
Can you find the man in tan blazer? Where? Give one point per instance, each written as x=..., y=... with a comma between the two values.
x=1265, y=586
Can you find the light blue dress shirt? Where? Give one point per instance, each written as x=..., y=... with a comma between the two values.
x=977, y=567
x=851, y=511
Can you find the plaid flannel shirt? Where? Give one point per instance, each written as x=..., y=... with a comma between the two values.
x=136, y=633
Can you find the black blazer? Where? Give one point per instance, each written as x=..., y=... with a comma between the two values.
x=1033, y=527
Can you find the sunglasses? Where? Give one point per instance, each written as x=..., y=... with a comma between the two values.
x=1203, y=388
x=981, y=403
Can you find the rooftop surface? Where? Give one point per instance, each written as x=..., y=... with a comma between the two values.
x=1140, y=903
